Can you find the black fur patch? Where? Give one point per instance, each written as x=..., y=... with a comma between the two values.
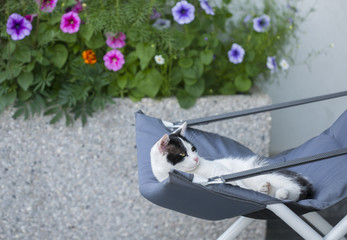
x=175, y=148
x=306, y=186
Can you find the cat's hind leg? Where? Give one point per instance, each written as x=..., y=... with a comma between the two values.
x=282, y=194
x=264, y=188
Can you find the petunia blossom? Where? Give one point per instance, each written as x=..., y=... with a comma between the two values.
x=30, y=17
x=206, y=6
x=114, y=60
x=236, y=53
x=183, y=12
x=284, y=64
x=159, y=59
x=18, y=27
x=70, y=22
x=161, y=24
x=271, y=64
x=46, y=5
x=115, y=40
x=261, y=24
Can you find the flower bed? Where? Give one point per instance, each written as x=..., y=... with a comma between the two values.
x=69, y=58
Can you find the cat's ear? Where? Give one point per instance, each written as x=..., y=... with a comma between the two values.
x=181, y=130
x=163, y=142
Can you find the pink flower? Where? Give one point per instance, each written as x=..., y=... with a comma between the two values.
x=115, y=40
x=78, y=8
x=70, y=22
x=30, y=17
x=46, y=5
x=114, y=60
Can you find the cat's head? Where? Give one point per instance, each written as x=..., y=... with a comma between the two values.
x=173, y=151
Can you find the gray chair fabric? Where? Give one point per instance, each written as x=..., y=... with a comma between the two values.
x=216, y=202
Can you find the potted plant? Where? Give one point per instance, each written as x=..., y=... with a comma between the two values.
x=72, y=57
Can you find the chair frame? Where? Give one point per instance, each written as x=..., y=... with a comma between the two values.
x=324, y=229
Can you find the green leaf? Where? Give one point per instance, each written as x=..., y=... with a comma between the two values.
x=135, y=95
x=24, y=95
x=181, y=40
x=185, y=62
x=195, y=71
x=149, y=82
x=86, y=31
x=30, y=66
x=250, y=55
x=113, y=89
x=184, y=99
x=7, y=99
x=96, y=41
x=58, y=55
x=190, y=81
x=145, y=52
x=25, y=79
x=54, y=19
x=57, y=117
x=196, y=89
x=228, y=88
x=122, y=81
x=67, y=37
x=206, y=56
x=176, y=76
x=22, y=54
x=3, y=76
x=242, y=84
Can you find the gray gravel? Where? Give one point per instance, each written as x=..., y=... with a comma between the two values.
x=77, y=182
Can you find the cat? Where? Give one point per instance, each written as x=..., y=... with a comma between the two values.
x=175, y=151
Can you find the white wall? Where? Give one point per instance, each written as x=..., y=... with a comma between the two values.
x=291, y=127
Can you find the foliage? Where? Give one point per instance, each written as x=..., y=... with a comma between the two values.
x=62, y=70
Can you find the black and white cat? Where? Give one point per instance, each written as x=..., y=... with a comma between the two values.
x=174, y=151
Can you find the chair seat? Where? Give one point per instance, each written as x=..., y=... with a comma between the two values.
x=219, y=201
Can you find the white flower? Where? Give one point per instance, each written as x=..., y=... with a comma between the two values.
x=159, y=59
x=284, y=64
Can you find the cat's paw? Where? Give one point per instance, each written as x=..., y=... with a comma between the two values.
x=282, y=194
x=264, y=188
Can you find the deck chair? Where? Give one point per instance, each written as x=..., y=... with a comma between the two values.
x=322, y=159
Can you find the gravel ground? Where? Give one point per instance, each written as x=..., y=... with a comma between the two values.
x=77, y=182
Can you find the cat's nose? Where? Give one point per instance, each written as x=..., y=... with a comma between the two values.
x=196, y=159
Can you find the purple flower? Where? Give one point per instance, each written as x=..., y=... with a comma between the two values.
x=115, y=40
x=161, y=24
x=114, y=60
x=247, y=18
x=207, y=8
x=271, y=64
x=183, y=12
x=236, y=54
x=70, y=22
x=46, y=5
x=155, y=14
x=18, y=27
x=261, y=24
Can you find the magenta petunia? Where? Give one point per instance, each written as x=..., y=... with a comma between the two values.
x=115, y=40
x=70, y=22
x=114, y=60
x=18, y=27
x=30, y=17
x=46, y=5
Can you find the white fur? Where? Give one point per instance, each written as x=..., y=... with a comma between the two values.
x=275, y=185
